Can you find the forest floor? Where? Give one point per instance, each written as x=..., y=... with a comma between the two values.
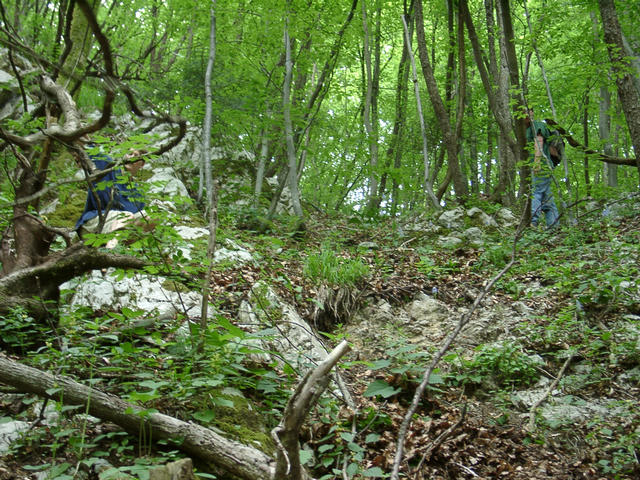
x=459, y=431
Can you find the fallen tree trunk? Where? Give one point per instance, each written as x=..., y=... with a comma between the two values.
x=235, y=458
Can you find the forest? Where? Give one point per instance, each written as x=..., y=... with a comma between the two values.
x=371, y=159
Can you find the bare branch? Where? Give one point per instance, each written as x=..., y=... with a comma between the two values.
x=306, y=394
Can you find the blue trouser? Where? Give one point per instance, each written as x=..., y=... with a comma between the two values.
x=542, y=201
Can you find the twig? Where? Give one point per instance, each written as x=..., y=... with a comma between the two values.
x=466, y=469
x=532, y=411
x=442, y=437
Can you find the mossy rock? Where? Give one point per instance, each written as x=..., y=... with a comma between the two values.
x=67, y=211
x=242, y=421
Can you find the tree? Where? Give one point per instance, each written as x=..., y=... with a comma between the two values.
x=627, y=93
x=448, y=132
x=35, y=151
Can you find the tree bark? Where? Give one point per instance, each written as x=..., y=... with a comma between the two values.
x=627, y=93
x=234, y=457
x=212, y=186
x=286, y=103
x=428, y=183
x=307, y=393
x=448, y=133
x=31, y=288
x=369, y=122
x=495, y=80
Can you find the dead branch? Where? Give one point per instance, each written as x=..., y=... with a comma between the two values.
x=30, y=288
x=532, y=412
x=439, y=440
x=239, y=460
x=306, y=394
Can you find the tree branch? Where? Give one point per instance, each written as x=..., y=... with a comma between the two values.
x=598, y=155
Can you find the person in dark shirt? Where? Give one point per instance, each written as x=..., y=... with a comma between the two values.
x=113, y=197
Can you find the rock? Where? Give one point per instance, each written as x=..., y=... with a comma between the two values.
x=179, y=470
x=428, y=318
x=292, y=336
x=234, y=254
x=474, y=237
x=9, y=432
x=449, y=242
x=481, y=218
x=152, y=295
x=452, y=219
x=506, y=217
x=165, y=181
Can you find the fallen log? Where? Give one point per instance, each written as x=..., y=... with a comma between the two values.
x=234, y=457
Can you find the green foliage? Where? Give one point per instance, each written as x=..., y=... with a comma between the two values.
x=330, y=267
x=617, y=444
x=339, y=446
x=504, y=365
x=20, y=332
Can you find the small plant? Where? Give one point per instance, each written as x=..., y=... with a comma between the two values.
x=331, y=268
x=505, y=365
x=21, y=332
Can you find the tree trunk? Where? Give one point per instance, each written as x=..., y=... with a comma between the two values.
x=585, y=135
x=286, y=103
x=604, y=130
x=369, y=126
x=507, y=39
x=629, y=96
x=235, y=458
x=428, y=182
x=394, y=152
x=449, y=134
x=495, y=80
x=212, y=194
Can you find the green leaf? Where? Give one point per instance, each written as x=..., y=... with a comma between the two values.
x=371, y=438
x=222, y=402
x=347, y=437
x=381, y=388
x=373, y=472
x=305, y=456
x=378, y=364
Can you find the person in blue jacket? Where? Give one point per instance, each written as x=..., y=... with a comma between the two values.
x=113, y=197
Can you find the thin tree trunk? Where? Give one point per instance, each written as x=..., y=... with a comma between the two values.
x=495, y=80
x=262, y=160
x=449, y=134
x=286, y=103
x=394, y=152
x=489, y=164
x=508, y=45
x=368, y=108
x=585, y=133
x=212, y=196
x=604, y=130
x=428, y=183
